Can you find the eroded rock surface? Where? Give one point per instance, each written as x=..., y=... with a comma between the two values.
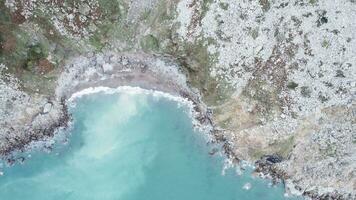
x=292, y=70
x=279, y=77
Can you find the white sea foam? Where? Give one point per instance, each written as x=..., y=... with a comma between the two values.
x=247, y=186
x=128, y=90
x=140, y=91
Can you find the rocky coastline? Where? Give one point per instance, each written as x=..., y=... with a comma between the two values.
x=138, y=70
x=37, y=132
x=274, y=80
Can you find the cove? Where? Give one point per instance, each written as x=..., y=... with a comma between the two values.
x=130, y=145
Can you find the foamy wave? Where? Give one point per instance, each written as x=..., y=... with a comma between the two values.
x=128, y=90
x=140, y=91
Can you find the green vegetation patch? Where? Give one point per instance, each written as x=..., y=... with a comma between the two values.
x=197, y=61
x=254, y=33
x=282, y=148
x=305, y=91
x=34, y=54
x=95, y=41
x=4, y=13
x=313, y=2
x=292, y=85
x=224, y=6
x=325, y=44
x=2, y=40
x=330, y=150
x=111, y=10
x=149, y=43
x=285, y=147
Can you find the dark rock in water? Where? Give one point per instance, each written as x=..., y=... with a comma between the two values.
x=270, y=159
x=266, y=165
x=219, y=137
x=10, y=161
x=213, y=151
x=21, y=160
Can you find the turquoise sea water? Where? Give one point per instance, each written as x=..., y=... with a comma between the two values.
x=130, y=147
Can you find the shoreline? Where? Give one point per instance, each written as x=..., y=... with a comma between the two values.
x=142, y=74
x=138, y=70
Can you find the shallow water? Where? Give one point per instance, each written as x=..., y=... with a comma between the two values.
x=130, y=146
